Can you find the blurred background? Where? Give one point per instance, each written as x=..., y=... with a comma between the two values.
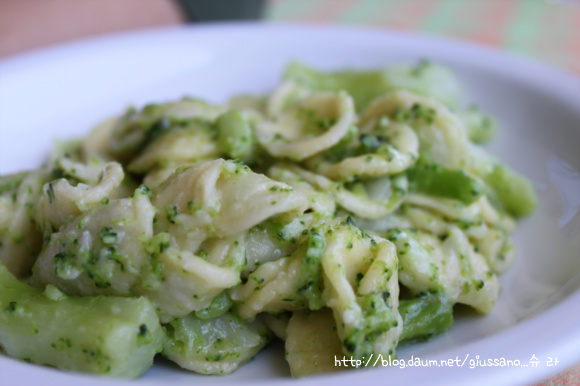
x=546, y=30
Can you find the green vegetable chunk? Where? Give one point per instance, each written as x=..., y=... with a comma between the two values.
x=515, y=193
x=101, y=335
x=219, y=306
x=214, y=346
x=234, y=134
x=363, y=86
x=435, y=180
x=425, y=317
x=424, y=78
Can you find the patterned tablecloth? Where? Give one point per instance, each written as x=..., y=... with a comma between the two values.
x=545, y=30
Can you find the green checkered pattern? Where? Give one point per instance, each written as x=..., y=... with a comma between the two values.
x=545, y=30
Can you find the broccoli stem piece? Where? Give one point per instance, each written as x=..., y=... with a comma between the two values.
x=424, y=78
x=219, y=306
x=101, y=335
x=515, y=193
x=435, y=180
x=214, y=346
x=363, y=86
x=235, y=137
x=424, y=317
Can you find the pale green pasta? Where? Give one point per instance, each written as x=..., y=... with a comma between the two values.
x=344, y=213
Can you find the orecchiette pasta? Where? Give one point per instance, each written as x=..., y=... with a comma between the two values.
x=441, y=134
x=361, y=288
x=312, y=343
x=62, y=201
x=219, y=198
x=310, y=126
x=186, y=145
x=399, y=152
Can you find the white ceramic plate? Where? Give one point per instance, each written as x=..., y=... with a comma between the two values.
x=63, y=91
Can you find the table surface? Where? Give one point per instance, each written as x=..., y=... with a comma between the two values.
x=544, y=30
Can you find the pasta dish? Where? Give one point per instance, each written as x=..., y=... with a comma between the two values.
x=346, y=213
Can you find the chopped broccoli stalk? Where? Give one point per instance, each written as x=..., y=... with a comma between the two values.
x=138, y=128
x=219, y=306
x=435, y=180
x=425, y=78
x=425, y=317
x=514, y=192
x=480, y=127
x=377, y=319
x=235, y=137
x=213, y=346
x=101, y=335
x=362, y=86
